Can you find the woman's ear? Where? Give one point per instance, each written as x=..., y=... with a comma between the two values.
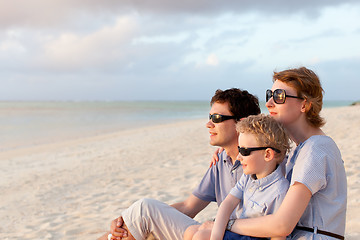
x=306, y=106
x=269, y=154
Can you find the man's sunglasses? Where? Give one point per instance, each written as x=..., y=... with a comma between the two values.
x=246, y=151
x=278, y=95
x=218, y=118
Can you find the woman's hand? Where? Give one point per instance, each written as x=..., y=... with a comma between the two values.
x=215, y=156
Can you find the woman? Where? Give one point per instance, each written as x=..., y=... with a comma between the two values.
x=315, y=204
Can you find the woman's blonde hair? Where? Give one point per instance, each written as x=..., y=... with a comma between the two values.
x=268, y=133
x=308, y=86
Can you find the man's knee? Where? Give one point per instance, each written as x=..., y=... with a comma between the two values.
x=146, y=206
x=141, y=212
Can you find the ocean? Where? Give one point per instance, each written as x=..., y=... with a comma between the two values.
x=25, y=124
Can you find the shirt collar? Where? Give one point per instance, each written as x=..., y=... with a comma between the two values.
x=228, y=160
x=269, y=179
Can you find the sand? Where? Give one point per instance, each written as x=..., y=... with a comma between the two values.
x=73, y=189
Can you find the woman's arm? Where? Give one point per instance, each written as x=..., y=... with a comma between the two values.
x=223, y=215
x=283, y=221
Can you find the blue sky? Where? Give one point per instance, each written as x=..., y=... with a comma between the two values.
x=167, y=50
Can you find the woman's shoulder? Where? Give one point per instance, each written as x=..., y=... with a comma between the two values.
x=319, y=141
x=320, y=146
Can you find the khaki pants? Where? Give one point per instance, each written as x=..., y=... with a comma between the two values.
x=148, y=217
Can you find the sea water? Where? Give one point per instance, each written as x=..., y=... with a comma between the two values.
x=24, y=124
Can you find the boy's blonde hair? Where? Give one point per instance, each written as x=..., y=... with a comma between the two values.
x=268, y=133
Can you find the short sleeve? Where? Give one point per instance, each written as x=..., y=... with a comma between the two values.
x=206, y=189
x=238, y=190
x=310, y=167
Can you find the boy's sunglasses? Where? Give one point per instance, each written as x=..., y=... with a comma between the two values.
x=218, y=118
x=278, y=95
x=246, y=151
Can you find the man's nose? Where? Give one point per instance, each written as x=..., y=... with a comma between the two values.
x=210, y=124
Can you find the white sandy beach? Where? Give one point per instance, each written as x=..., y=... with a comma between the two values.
x=73, y=189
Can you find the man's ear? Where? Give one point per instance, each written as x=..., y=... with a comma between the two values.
x=269, y=154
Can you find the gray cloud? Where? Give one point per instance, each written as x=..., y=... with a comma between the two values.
x=136, y=50
x=78, y=13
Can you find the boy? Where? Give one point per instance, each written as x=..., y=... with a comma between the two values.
x=260, y=191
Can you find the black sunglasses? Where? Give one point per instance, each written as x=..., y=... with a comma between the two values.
x=218, y=118
x=246, y=151
x=279, y=96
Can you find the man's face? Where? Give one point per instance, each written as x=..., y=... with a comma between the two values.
x=222, y=134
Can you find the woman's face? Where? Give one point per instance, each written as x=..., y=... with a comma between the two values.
x=291, y=110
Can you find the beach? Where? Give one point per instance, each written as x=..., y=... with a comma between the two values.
x=72, y=189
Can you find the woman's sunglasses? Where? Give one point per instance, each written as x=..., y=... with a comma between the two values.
x=246, y=151
x=218, y=118
x=278, y=95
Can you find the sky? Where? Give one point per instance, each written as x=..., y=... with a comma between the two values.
x=110, y=50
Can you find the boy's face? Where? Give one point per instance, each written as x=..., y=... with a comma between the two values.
x=254, y=163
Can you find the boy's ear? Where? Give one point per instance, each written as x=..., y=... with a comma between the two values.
x=269, y=154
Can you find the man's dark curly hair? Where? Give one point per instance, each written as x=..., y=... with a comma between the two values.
x=241, y=103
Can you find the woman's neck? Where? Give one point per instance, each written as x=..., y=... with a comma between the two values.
x=302, y=131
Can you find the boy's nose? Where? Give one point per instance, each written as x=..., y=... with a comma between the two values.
x=239, y=157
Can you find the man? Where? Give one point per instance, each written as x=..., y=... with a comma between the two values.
x=165, y=222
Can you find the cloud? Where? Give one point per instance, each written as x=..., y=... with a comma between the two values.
x=62, y=13
x=134, y=50
x=71, y=51
x=212, y=60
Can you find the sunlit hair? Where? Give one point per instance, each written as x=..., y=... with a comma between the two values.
x=241, y=103
x=268, y=133
x=308, y=86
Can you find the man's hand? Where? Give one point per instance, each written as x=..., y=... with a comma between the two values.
x=117, y=229
x=207, y=225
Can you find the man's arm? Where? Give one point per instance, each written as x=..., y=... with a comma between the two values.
x=191, y=206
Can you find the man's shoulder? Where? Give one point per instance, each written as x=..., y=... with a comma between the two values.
x=223, y=157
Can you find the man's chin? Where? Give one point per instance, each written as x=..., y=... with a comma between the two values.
x=213, y=143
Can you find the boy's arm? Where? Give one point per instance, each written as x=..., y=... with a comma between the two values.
x=223, y=215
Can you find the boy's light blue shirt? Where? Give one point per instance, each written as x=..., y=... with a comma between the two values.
x=263, y=196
